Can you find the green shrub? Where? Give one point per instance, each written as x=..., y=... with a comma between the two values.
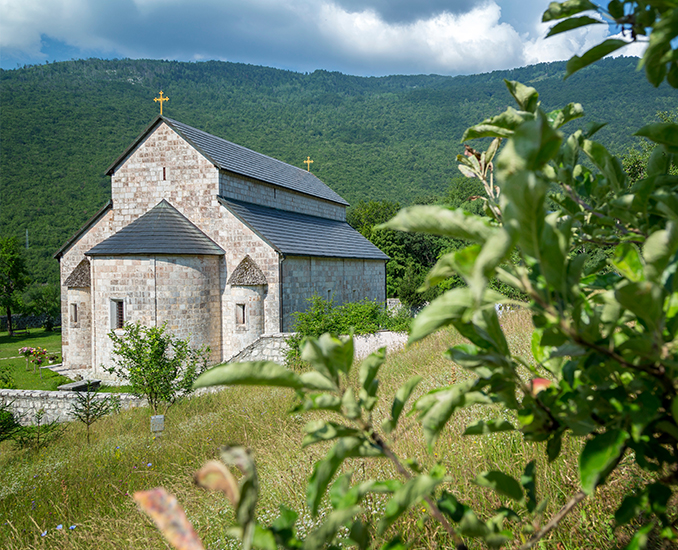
x=157, y=365
x=322, y=316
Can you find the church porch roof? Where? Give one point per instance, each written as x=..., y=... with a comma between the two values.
x=80, y=276
x=161, y=230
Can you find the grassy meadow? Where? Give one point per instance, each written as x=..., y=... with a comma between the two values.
x=77, y=496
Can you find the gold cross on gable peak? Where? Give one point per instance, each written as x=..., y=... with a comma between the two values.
x=161, y=100
x=308, y=163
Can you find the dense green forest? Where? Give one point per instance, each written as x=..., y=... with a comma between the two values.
x=390, y=138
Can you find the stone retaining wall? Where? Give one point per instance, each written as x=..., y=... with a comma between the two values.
x=57, y=405
x=269, y=347
x=272, y=347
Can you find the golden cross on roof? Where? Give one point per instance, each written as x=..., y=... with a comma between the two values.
x=308, y=163
x=160, y=99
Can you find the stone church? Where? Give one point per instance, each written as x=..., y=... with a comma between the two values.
x=220, y=242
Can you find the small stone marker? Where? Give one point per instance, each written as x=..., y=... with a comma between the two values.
x=157, y=424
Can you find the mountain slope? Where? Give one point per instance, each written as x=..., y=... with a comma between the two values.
x=390, y=138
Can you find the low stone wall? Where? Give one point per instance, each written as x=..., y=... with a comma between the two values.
x=272, y=347
x=58, y=405
x=269, y=347
x=365, y=344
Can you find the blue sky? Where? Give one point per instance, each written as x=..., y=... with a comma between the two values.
x=359, y=37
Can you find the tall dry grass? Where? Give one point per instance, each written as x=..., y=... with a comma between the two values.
x=89, y=486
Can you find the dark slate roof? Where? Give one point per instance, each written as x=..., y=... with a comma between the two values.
x=79, y=277
x=94, y=219
x=303, y=235
x=248, y=273
x=161, y=230
x=245, y=162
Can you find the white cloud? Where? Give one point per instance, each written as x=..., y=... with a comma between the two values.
x=296, y=34
x=474, y=41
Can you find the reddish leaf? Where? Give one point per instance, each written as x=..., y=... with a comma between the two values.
x=169, y=517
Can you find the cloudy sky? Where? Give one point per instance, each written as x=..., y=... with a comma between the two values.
x=359, y=37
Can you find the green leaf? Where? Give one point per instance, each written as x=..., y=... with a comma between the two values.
x=500, y=483
x=409, y=494
x=560, y=10
x=560, y=117
x=354, y=495
x=529, y=482
x=324, y=470
x=320, y=402
x=329, y=355
x=349, y=405
x=437, y=407
x=594, y=54
x=313, y=380
x=523, y=198
x=674, y=409
x=609, y=165
x=573, y=23
x=370, y=367
x=491, y=426
x=471, y=526
x=554, y=445
x=253, y=373
x=628, y=262
x=319, y=430
x=500, y=126
x=447, y=308
x=264, y=539
x=402, y=395
x=323, y=535
x=659, y=250
x=643, y=299
x=640, y=538
x=526, y=97
x=554, y=248
x=445, y=222
x=451, y=507
x=599, y=457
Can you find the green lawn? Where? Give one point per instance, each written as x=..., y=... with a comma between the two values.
x=26, y=379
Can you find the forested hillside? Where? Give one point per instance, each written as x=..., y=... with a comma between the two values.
x=392, y=138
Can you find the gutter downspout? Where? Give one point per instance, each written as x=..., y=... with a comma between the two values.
x=280, y=291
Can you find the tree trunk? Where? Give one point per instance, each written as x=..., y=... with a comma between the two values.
x=9, y=320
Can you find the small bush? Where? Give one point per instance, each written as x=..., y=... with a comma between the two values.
x=39, y=435
x=364, y=317
x=157, y=365
x=8, y=422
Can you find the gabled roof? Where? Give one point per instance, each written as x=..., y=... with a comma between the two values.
x=302, y=235
x=240, y=160
x=89, y=223
x=79, y=277
x=248, y=273
x=161, y=230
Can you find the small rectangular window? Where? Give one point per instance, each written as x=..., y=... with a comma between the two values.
x=164, y=173
x=240, y=314
x=117, y=314
x=74, y=313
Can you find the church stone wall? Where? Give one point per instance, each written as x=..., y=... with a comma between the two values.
x=188, y=298
x=341, y=280
x=79, y=330
x=102, y=229
x=247, y=190
x=180, y=290
x=238, y=241
x=165, y=166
